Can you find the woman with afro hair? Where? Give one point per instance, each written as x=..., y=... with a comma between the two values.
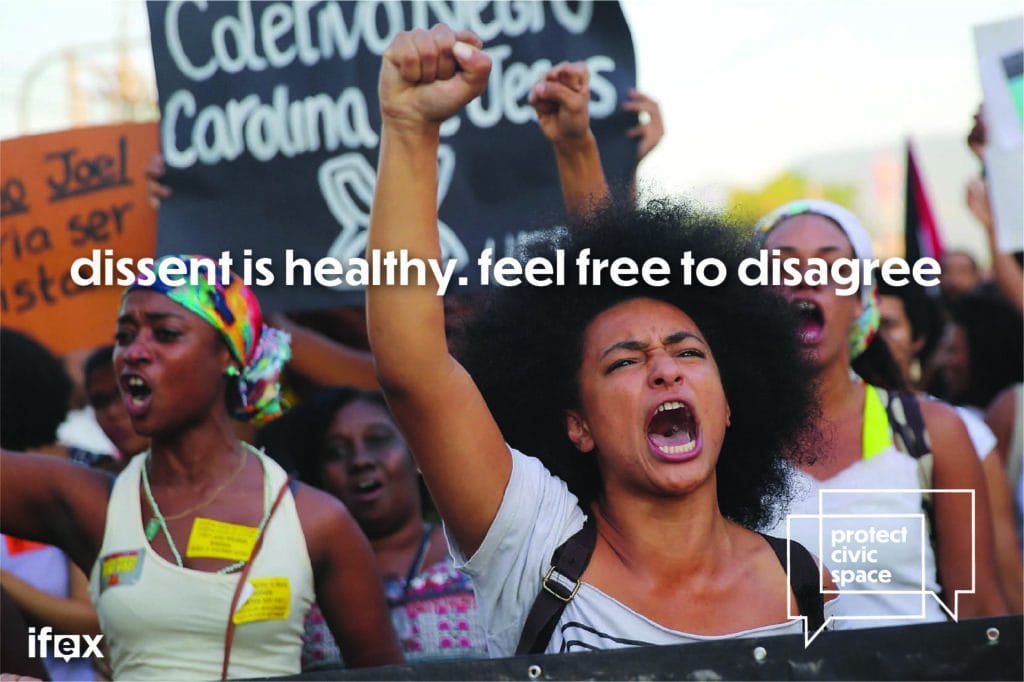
x=662, y=417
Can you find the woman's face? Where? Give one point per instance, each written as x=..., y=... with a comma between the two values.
x=367, y=465
x=826, y=318
x=101, y=386
x=653, y=410
x=894, y=326
x=169, y=364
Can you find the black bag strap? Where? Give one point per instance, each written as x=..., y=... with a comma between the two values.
x=907, y=422
x=804, y=580
x=558, y=588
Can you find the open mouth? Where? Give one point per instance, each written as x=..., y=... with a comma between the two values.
x=367, y=489
x=812, y=321
x=672, y=431
x=137, y=394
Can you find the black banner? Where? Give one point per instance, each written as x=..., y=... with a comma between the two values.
x=270, y=125
x=982, y=649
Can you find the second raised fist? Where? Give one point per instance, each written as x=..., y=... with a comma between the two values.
x=429, y=75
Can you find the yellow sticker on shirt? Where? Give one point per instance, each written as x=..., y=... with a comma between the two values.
x=212, y=539
x=270, y=600
x=119, y=563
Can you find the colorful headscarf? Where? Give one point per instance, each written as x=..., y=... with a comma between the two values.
x=866, y=325
x=235, y=313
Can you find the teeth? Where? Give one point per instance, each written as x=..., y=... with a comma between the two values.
x=366, y=485
x=805, y=305
x=671, y=405
x=136, y=381
x=679, y=449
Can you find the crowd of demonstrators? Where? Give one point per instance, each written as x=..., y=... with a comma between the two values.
x=612, y=464
x=977, y=364
x=1003, y=412
x=909, y=320
x=345, y=442
x=631, y=397
x=881, y=434
x=835, y=331
x=172, y=541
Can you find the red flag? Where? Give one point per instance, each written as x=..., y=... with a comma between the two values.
x=920, y=230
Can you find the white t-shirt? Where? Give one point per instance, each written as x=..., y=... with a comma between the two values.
x=537, y=515
x=981, y=436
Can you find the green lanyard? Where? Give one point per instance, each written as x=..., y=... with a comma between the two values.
x=158, y=522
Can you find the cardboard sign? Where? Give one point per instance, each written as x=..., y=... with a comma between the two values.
x=270, y=125
x=63, y=195
x=1000, y=48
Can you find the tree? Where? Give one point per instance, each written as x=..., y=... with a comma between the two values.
x=746, y=206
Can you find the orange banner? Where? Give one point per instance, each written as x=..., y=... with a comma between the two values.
x=63, y=195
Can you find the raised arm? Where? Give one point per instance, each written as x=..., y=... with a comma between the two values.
x=47, y=499
x=1007, y=275
x=651, y=128
x=956, y=466
x=324, y=360
x=562, y=102
x=426, y=77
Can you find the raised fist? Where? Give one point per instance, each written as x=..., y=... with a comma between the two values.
x=562, y=102
x=427, y=76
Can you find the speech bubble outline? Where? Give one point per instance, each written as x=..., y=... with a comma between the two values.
x=953, y=613
x=810, y=637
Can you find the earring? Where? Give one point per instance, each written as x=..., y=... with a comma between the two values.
x=231, y=371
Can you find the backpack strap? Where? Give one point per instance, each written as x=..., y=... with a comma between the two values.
x=804, y=579
x=558, y=588
x=907, y=422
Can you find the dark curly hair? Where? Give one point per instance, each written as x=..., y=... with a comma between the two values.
x=295, y=440
x=101, y=358
x=995, y=346
x=524, y=345
x=36, y=392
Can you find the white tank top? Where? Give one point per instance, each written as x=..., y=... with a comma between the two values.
x=166, y=622
x=902, y=541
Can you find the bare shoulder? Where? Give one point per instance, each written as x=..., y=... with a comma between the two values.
x=1002, y=411
x=325, y=521
x=955, y=460
x=942, y=421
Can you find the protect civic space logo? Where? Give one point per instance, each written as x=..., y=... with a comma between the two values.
x=878, y=562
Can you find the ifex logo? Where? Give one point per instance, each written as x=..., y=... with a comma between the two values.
x=64, y=646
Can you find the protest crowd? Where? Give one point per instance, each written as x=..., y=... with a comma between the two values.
x=515, y=469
